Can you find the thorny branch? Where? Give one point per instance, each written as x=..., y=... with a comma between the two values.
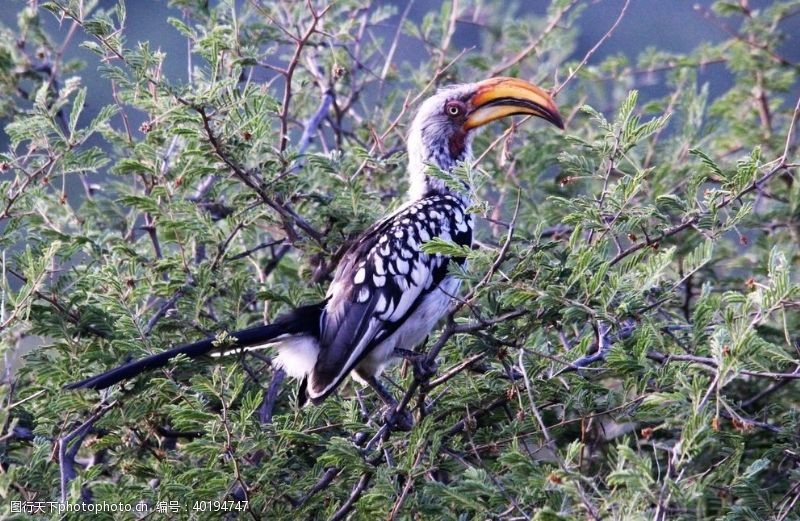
x=780, y=164
x=556, y=90
x=534, y=45
x=594, y=49
x=289, y=216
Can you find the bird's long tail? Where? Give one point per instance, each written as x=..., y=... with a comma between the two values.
x=302, y=321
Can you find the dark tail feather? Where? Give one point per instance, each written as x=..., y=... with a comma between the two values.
x=246, y=337
x=304, y=320
x=302, y=394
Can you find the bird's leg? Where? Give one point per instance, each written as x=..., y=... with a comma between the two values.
x=402, y=421
x=383, y=393
x=423, y=369
x=406, y=354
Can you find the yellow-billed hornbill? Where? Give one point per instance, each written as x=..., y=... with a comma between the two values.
x=387, y=293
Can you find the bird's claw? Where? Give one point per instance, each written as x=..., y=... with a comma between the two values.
x=424, y=368
x=401, y=421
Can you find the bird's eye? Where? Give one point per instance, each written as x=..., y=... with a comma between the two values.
x=453, y=109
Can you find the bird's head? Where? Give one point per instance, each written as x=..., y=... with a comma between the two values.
x=442, y=131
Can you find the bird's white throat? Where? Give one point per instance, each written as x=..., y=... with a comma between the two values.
x=420, y=164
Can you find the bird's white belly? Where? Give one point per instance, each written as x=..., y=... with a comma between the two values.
x=413, y=331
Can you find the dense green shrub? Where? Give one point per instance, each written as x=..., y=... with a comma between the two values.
x=663, y=230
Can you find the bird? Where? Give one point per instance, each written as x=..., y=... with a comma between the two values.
x=387, y=294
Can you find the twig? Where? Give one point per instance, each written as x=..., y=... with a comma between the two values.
x=289, y=73
x=749, y=41
x=787, y=506
x=230, y=453
x=494, y=479
x=270, y=396
x=288, y=215
x=254, y=249
x=591, y=51
x=70, y=316
x=602, y=345
x=66, y=453
x=521, y=55
x=528, y=387
x=408, y=484
x=710, y=362
x=166, y=306
x=780, y=164
x=354, y=495
x=780, y=384
x=326, y=479
x=452, y=372
x=393, y=47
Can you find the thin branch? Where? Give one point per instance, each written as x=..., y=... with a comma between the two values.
x=393, y=47
x=270, y=397
x=168, y=304
x=288, y=215
x=290, y=68
x=250, y=251
x=594, y=49
x=780, y=164
x=323, y=482
x=521, y=55
x=454, y=371
x=70, y=444
x=710, y=362
x=408, y=484
x=354, y=495
x=70, y=316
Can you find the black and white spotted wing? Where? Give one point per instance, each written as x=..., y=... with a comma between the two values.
x=381, y=281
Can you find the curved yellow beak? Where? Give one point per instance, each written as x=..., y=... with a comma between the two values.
x=499, y=97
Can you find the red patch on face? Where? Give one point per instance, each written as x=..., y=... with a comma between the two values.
x=457, y=143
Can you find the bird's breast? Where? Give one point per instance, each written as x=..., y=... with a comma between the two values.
x=413, y=331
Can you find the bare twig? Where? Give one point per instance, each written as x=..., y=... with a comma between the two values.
x=452, y=372
x=521, y=55
x=594, y=49
x=289, y=73
x=359, y=487
x=270, y=396
x=393, y=47
x=710, y=362
x=326, y=479
x=70, y=444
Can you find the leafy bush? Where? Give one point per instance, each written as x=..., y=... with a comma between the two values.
x=627, y=347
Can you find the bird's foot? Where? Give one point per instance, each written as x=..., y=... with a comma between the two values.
x=401, y=421
x=424, y=369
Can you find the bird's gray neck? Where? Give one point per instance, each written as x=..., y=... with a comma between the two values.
x=422, y=159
